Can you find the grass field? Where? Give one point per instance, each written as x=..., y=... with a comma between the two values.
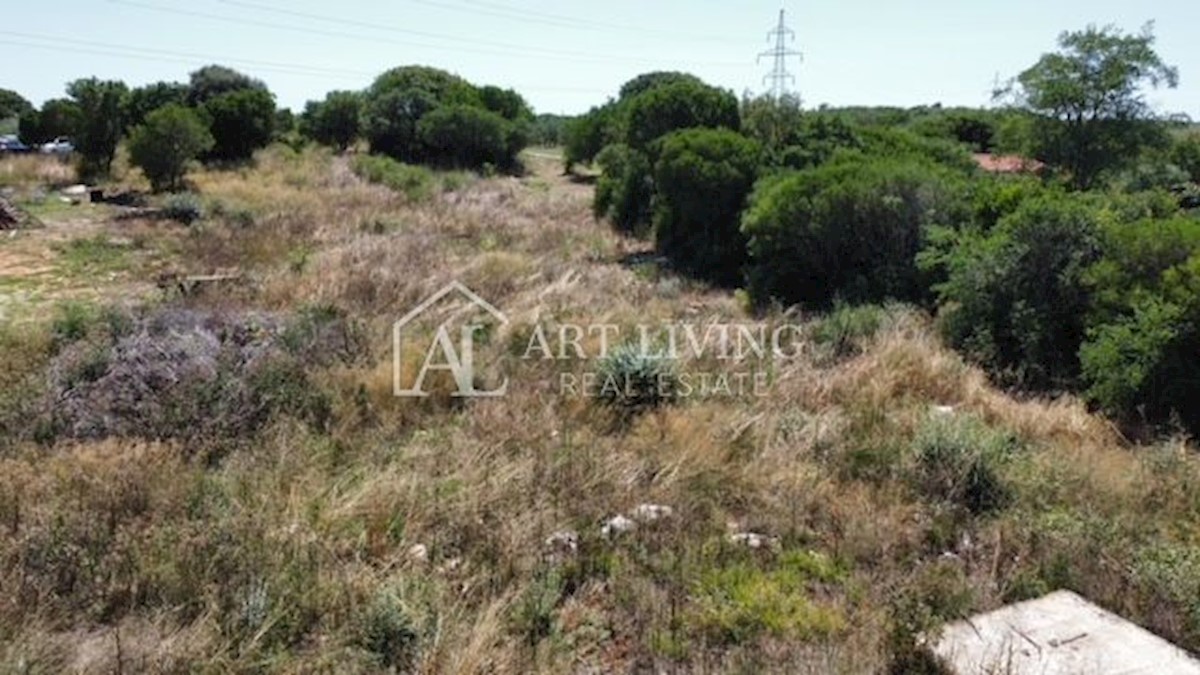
x=887, y=485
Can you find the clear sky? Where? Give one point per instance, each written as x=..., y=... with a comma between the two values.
x=568, y=55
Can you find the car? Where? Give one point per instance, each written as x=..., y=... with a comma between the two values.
x=58, y=146
x=13, y=145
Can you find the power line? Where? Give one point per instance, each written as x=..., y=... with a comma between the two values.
x=779, y=75
x=196, y=59
x=509, y=50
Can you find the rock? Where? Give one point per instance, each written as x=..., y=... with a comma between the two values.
x=418, y=553
x=650, y=513
x=754, y=540
x=564, y=542
x=617, y=525
x=943, y=410
x=75, y=190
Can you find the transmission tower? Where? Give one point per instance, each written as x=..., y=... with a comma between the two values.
x=779, y=75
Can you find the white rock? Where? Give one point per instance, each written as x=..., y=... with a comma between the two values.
x=617, y=525
x=753, y=540
x=75, y=190
x=649, y=513
x=418, y=553
x=943, y=410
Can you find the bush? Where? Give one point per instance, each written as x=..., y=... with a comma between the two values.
x=58, y=117
x=171, y=138
x=464, y=137
x=625, y=188
x=587, y=135
x=1016, y=298
x=183, y=208
x=142, y=101
x=958, y=460
x=632, y=381
x=414, y=182
x=241, y=122
x=210, y=82
x=702, y=179
x=679, y=105
x=334, y=121
x=847, y=230
x=399, y=98
x=847, y=328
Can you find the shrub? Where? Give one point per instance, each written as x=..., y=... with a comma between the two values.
x=848, y=327
x=399, y=98
x=210, y=82
x=58, y=117
x=171, y=138
x=1016, y=298
x=653, y=80
x=587, y=135
x=625, y=188
x=848, y=230
x=958, y=460
x=241, y=122
x=334, y=121
x=1185, y=154
x=679, y=105
x=142, y=101
x=183, y=208
x=389, y=634
x=414, y=182
x=702, y=179
x=632, y=381
x=465, y=137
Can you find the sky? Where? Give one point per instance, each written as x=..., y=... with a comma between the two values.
x=565, y=56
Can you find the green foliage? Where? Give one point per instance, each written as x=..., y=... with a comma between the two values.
x=653, y=80
x=466, y=137
x=58, y=118
x=414, y=182
x=1087, y=115
x=678, y=105
x=101, y=105
x=334, y=121
x=388, y=633
x=142, y=101
x=241, y=122
x=550, y=130
x=848, y=327
x=210, y=82
x=847, y=230
x=587, y=135
x=633, y=380
x=1016, y=298
x=775, y=124
x=171, y=138
x=183, y=208
x=506, y=103
x=702, y=179
x=13, y=104
x=399, y=98
x=625, y=188
x=1185, y=154
x=973, y=128
x=959, y=460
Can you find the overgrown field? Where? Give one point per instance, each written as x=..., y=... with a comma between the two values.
x=219, y=478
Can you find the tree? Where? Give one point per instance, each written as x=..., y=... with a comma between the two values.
x=146, y=99
x=13, y=104
x=848, y=230
x=1087, y=112
x=465, y=137
x=102, y=123
x=241, y=122
x=334, y=121
x=60, y=117
x=586, y=135
x=170, y=138
x=678, y=105
x=212, y=81
x=702, y=178
x=399, y=98
x=506, y=103
x=653, y=80
x=625, y=188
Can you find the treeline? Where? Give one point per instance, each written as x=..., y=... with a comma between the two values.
x=413, y=114
x=1082, y=277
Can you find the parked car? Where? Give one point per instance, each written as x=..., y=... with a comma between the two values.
x=13, y=145
x=58, y=146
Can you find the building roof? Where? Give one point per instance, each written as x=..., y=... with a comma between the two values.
x=1007, y=163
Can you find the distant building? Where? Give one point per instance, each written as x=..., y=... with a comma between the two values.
x=1007, y=163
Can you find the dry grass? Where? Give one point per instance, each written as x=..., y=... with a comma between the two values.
x=412, y=534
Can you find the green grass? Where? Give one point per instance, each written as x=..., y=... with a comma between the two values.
x=95, y=255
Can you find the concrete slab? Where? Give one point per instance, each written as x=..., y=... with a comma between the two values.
x=1059, y=634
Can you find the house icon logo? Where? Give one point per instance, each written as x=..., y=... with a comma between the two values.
x=444, y=353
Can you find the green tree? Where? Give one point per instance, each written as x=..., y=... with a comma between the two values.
x=1087, y=112
x=398, y=99
x=465, y=137
x=653, y=80
x=678, y=105
x=146, y=99
x=241, y=122
x=170, y=138
x=102, y=123
x=13, y=104
x=60, y=117
x=702, y=179
x=334, y=121
x=212, y=81
x=625, y=188
x=506, y=103
x=588, y=134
